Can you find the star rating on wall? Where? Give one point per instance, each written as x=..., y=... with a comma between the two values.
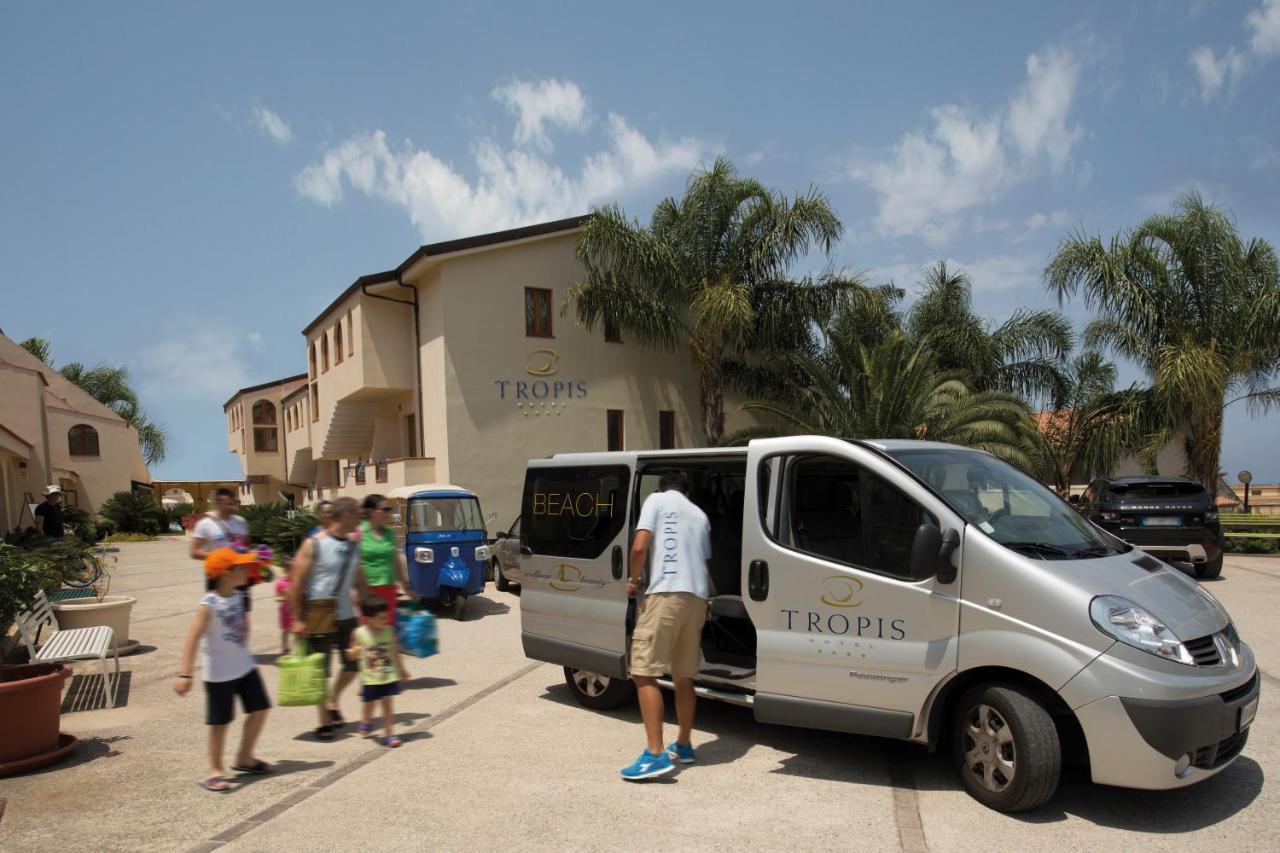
x=540, y=409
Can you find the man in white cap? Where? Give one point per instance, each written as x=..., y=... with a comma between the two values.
x=49, y=520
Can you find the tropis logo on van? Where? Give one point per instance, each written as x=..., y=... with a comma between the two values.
x=566, y=578
x=844, y=593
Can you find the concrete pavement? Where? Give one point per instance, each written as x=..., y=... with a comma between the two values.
x=500, y=756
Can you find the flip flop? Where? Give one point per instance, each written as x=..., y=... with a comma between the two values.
x=390, y=742
x=257, y=768
x=216, y=784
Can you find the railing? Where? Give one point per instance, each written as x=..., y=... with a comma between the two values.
x=380, y=471
x=1240, y=526
x=360, y=478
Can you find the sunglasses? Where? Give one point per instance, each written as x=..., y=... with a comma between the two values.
x=384, y=509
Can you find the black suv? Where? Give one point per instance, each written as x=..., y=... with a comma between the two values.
x=1171, y=517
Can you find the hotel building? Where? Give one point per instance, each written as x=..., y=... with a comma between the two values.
x=459, y=366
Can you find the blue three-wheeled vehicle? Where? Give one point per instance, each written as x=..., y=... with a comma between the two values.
x=446, y=546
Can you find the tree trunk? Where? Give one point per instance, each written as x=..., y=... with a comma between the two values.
x=712, y=399
x=1206, y=451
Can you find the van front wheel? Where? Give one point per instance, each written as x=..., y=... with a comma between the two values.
x=598, y=691
x=1007, y=749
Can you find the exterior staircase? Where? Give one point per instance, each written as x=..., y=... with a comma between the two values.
x=350, y=431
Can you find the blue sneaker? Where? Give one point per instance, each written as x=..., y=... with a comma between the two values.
x=682, y=752
x=647, y=766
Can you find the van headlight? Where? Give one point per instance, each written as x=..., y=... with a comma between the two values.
x=482, y=554
x=1132, y=625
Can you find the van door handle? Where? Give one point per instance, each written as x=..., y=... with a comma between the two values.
x=617, y=562
x=758, y=580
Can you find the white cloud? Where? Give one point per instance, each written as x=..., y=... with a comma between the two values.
x=194, y=363
x=966, y=161
x=1162, y=201
x=1056, y=218
x=1215, y=72
x=539, y=104
x=990, y=274
x=272, y=124
x=511, y=186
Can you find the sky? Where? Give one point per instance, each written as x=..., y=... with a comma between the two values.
x=183, y=188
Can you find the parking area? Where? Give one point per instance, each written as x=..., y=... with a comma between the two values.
x=498, y=755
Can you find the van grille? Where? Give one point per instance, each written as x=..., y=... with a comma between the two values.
x=1238, y=692
x=1218, y=754
x=1204, y=651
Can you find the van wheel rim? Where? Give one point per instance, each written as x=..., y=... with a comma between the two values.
x=591, y=684
x=989, y=753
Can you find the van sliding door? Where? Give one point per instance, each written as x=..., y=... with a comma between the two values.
x=573, y=600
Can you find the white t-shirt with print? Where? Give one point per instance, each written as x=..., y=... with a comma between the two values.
x=219, y=533
x=681, y=544
x=225, y=643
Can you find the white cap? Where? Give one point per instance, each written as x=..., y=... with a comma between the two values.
x=52, y=490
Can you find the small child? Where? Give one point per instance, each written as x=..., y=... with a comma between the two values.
x=286, y=613
x=220, y=630
x=381, y=667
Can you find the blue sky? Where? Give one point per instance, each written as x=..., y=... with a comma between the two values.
x=183, y=189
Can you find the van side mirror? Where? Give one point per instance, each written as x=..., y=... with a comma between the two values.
x=931, y=553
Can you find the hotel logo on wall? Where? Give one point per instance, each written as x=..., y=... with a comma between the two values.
x=544, y=393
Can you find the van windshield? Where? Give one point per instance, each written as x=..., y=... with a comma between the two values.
x=1011, y=507
x=437, y=515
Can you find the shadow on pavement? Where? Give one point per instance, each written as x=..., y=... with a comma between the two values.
x=426, y=682
x=88, y=749
x=478, y=607
x=84, y=692
x=283, y=768
x=833, y=756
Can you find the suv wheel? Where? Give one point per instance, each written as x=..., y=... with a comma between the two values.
x=1210, y=569
x=1006, y=746
x=598, y=691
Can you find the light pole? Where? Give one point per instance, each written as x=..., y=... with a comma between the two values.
x=1245, y=477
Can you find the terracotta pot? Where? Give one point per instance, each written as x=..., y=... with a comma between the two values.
x=113, y=612
x=30, y=705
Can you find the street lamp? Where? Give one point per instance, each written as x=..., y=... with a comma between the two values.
x=1246, y=478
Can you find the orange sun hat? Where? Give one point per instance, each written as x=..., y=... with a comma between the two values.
x=223, y=560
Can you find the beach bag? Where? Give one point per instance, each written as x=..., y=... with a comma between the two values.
x=416, y=632
x=302, y=679
x=321, y=614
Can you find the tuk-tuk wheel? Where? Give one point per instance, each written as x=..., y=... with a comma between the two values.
x=459, y=607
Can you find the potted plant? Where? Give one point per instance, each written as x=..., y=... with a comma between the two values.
x=98, y=609
x=30, y=695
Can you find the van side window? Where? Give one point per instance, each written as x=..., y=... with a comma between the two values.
x=574, y=512
x=841, y=512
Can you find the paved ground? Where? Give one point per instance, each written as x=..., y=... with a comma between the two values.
x=499, y=756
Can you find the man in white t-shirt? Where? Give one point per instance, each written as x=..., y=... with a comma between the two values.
x=221, y=528
x=673, y=537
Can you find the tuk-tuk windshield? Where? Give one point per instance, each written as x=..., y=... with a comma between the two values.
x=436, y=515
x=1011, y=507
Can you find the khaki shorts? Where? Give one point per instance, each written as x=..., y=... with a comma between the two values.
x=668, y=635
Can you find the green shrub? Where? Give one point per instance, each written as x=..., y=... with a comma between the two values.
x=285, y=535
x=259, y=516
x=82, y=523
x=1250, y=545
x=131, y=537
x=23, y=573
x=133, y=512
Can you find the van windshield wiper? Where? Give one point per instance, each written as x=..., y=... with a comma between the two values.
x=1096, y=551
x=1041, y=547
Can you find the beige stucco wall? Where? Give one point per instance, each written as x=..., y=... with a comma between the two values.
x=474, y=336
x=101, y=476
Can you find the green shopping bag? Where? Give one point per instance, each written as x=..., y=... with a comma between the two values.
x=301, y=677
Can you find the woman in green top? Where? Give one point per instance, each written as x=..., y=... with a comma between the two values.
x=381, y=559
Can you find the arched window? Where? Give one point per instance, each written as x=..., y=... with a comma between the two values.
x=264, y=427
x=324, y=352
x=337, y=342
x=83, y=440
x=313, y=359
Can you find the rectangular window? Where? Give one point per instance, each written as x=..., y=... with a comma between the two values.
x=574, y=512
x=351, y=334
x=612, y=334
x=411, y=434
x=264, y=439
x=615, y=437
x=537, y=313
x=666, y=430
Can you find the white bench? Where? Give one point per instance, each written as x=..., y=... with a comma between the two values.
x=70, y=645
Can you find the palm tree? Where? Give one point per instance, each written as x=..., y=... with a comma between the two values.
x=109, y=385
x=1192, y=304
x=891, y=389
x=709, y=274
x=1092, y=426
x=1022, y=355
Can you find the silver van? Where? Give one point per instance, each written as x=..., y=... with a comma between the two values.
x=903, y=589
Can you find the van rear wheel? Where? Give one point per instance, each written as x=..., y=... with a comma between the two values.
x=594, y=690
x=1007, y=749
